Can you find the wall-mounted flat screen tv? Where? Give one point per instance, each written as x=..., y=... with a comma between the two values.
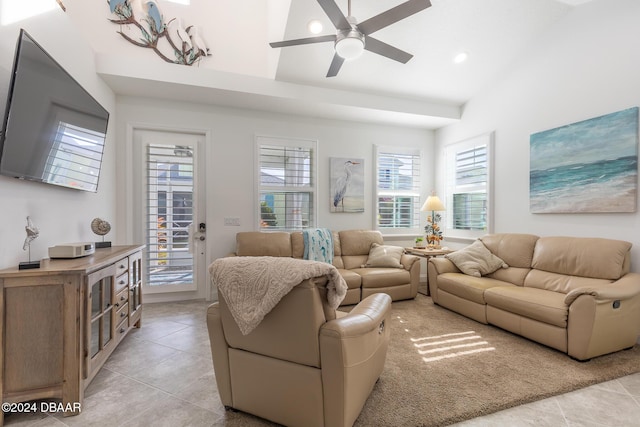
x=54, y=130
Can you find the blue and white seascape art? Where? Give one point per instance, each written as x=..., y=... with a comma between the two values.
x=586, y=167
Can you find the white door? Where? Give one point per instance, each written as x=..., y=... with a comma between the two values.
x=171, y=210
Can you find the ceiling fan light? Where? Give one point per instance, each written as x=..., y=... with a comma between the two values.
x=351, y=46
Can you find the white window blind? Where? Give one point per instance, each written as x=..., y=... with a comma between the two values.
x=169, y=214
x=398, y=190
x=468, y=184
x=286, y=183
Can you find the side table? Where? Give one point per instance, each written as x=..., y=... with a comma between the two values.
x=427, y=253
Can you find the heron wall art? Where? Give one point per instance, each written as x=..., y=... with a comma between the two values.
x=347, y=184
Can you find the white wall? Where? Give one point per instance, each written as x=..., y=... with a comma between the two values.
x=587, y=65
x=230, y=159
x=62, y=215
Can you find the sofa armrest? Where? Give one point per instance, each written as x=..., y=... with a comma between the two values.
x=407, y=261
x=603, y=319
x=443, y=265
x=362, y=319
x=353, y=350
x=435, y=267
x=624, y=288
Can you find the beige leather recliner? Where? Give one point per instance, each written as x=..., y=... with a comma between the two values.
x=305, y=364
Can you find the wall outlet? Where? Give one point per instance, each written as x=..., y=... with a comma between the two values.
x=232, y=221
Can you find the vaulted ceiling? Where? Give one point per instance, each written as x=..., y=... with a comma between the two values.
x=244, y=71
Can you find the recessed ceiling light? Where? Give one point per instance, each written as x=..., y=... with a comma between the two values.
x=460, y=58
x=315, y=26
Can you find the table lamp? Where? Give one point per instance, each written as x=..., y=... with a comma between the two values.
x=434, y=234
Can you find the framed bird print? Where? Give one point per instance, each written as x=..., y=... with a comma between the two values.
x=347, y=184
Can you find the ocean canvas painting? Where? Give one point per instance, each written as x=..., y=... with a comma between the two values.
x=586, y=167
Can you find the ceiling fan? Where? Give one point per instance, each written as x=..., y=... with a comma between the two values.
x=352, y=38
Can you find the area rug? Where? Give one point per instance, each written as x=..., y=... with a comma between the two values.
x=443, y=368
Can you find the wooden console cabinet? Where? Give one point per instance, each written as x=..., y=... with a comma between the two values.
x=59, y=323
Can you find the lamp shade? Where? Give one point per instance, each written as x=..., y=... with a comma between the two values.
x=433, y=203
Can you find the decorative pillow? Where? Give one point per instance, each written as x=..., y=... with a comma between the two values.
x=476, y=260
x=384, y=256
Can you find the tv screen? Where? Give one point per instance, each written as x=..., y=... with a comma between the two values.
x=54, y=130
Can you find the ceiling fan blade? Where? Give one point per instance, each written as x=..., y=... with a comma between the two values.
x=381, y=48
x=335, y=65
x=308, y=40
x=335, y=14
x=392, y=16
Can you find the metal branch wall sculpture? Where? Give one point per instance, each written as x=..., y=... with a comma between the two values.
x=188, y=47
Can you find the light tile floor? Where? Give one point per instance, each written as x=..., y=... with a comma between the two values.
x=162, y=375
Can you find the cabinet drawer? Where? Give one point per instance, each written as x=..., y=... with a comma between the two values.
x=122, y=329
x=121, y=298
x=121, y=282
x=122, y=266
x=122, y=312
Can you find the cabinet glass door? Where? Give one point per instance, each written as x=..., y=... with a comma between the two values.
x=96, y=301
x=106, y=328
x=95, y=337
x=101, y=311
x=135, y=287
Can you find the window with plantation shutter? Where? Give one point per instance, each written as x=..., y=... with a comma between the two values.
x=398, y=190
x=286, y=183
x=468, y=187
x=169, y=214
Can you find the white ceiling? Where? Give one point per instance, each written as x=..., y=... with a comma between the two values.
x=428, y=91
x=492, y=32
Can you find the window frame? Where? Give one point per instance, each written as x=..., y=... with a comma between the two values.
x=417, y=228
x=449, y=154
x=285, y=142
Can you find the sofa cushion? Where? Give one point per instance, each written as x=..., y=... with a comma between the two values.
x=514, y=249
x=354, y=280
x=476, y=260
x=337, y=251
x=383, y=277
x=297, y=244
x=358, y=242
x=561, y=282
x=582, y=256
x=468, y=287
x=515, y=275
x=385, y=256
x=258, y=243
x=537, y=304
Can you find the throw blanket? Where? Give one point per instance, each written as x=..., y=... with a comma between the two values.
x=252, y=286
x=318, y=244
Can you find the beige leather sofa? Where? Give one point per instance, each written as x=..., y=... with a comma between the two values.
x=351, y=251
x=572, y=294
x=303, y=365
